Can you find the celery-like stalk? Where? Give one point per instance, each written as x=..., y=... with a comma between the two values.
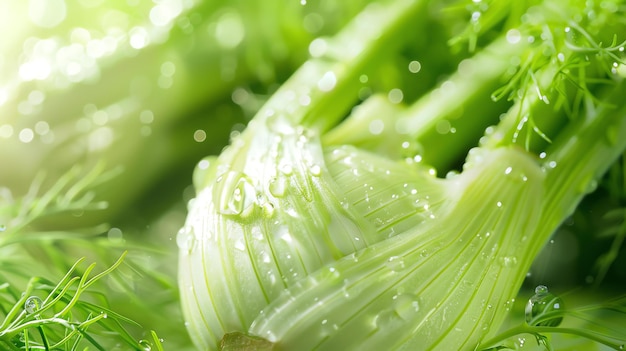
x=315, y=232
x=440, y=285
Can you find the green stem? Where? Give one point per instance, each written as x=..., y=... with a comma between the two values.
x=582, y=154
x=525, y=329
x=455, y=114
x=336, y=70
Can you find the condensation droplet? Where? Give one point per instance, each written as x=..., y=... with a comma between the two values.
x=315, y=170
x=406, y=306
x=145, y=345
x=508, y=261
x=240, y=245
x=33, y=304
x=115, y=235
x=277, y=186
x=395, y=263
x=541, y=305
x=186, y=239
x=268, y=209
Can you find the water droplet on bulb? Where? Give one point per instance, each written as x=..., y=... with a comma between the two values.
x=240, y=245
x=33, y=304
x=241, y=199
x=268, y=209
x=542, y=303
x=406, y=306
x=331, y=274
x=277, y=186
x=328, y=328
x=315, y=170
x=186, y=239
x=395, y=263
x=508, y=261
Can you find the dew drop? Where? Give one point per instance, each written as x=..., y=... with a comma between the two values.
x=115, y=235
x=268, y=209
x=202, y=171
x=328, y=328
x=277, y=186
x=331, y=274
x=541, y=304
x=186, y=239
x=508, y=261
x=406, y=306
x=265, y=257
x=240, y=245
x=241, y=197
x=315, y=170
x=33, y=304
x=385, y=319
x=145, y=345
x=256, y=233
x=395, y=263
